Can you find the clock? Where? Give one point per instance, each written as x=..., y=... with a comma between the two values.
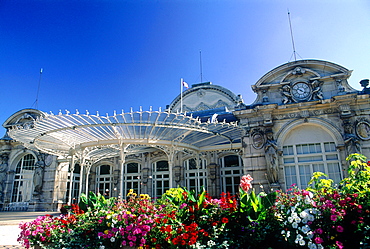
x=301, y=91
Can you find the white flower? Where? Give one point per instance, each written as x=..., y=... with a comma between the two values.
x=101, y=247
x=311, y=217
x=112, y=239
x=290, y=219
x=319, y=246
x=288, y=234
x=307, y=200
x=303, y=214
x=305, y=229
x=310, y=234
x=312, y=245
x=210, y=243
x=297, y=219
x=302, y=242
x=295, y=225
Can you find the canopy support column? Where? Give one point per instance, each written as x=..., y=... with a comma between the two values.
x=81, y=176
x=171, y=152
x=122, y=151
x=88, y=168
x=71, y=171
x=198, y=166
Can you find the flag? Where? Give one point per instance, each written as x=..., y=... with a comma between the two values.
x=185, y=84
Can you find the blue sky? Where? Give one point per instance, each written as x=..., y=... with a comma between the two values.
x=101, y=55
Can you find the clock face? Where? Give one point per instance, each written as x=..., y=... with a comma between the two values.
x=301, y=91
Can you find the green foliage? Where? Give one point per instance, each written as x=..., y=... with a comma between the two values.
x=95, y=201
x=256, y=206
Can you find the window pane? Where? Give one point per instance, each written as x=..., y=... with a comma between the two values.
x=318, y=168
x=105, y=170
x=304, y=175
x=330, y=147
x=192, y=163
x=288, y=150
x=310, y=159
x=132, y=168
x=231, y=161
x=334, y=172
x=332, y=157
x=162, y=166
x=289, y=160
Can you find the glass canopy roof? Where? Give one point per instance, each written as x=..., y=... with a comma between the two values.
x=105, y=136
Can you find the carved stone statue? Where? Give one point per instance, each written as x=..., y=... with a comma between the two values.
x=287, y=96
x=350, y=140
x=3, y=169
x=271, y=154
x=316, y=90
x=38, y=177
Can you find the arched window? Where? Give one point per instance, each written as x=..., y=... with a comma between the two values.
x=231, y=172
x=309, y=149
x=161, y=178
x=104, y=179
x=23, y=179
x=195, y=174
x=132, y=177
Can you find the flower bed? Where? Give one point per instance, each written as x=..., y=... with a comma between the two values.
x=321, y=216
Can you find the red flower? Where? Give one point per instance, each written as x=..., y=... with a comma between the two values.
x=224, y=220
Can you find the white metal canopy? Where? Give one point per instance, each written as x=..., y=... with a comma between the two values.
x=102, y=136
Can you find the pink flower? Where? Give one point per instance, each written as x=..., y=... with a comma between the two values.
x=339, y=244
x=318, y=240
x=333, y=217
x=340, y=229
x=319, y=231
x=245, y=183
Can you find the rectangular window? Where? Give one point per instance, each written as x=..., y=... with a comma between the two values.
x=309, y=158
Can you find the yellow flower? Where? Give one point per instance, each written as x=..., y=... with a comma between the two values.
x=130, y=192
x=106, y=232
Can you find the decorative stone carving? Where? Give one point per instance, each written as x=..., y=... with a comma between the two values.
x=350, y=139
x=298, y=71
x=316, y=90
x=258, y=140
x=287, y=96
x=271, y=154
x=3, y=173
x=340, y=85
x=201, y=93
x=363, y=129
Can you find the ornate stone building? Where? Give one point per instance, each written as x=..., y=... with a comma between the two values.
x=305, y=118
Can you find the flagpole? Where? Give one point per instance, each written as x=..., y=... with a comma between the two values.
x=181, y=83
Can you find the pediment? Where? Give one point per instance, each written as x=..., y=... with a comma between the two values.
x=306, y=69
x=301, y=81
x=25, y=117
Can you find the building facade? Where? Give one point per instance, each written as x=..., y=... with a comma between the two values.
x=305, y=118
